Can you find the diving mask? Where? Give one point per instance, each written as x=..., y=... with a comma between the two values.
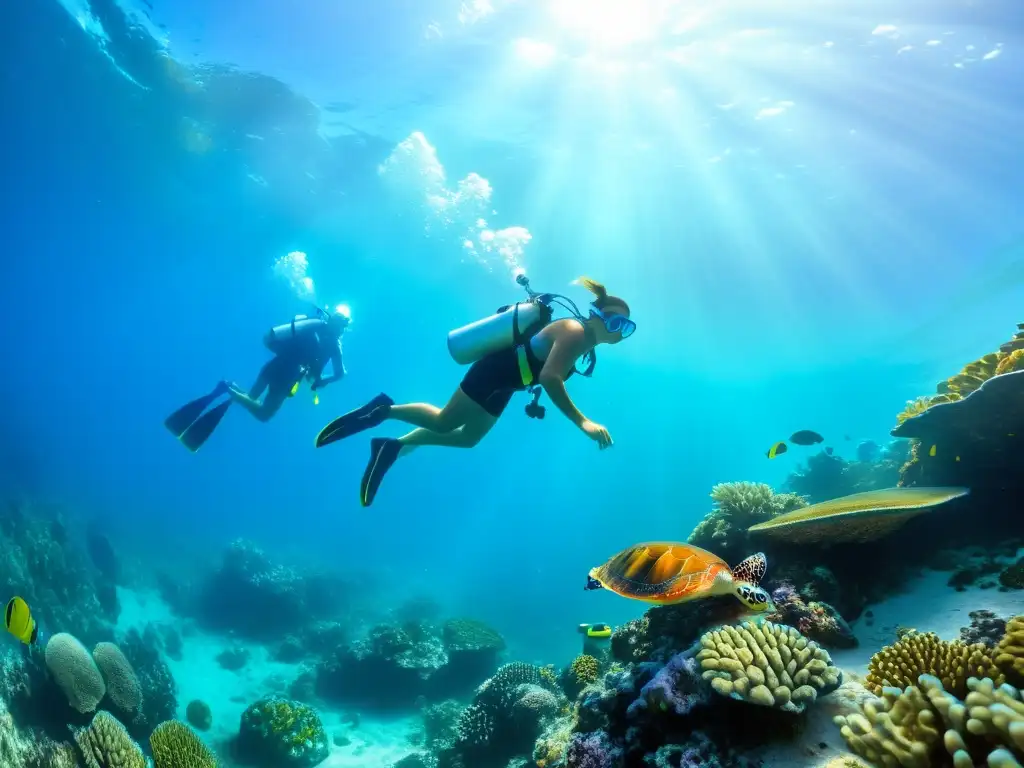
x=614, y=322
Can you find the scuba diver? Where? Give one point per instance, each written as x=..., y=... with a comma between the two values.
x=518, y=348
x=302, y=348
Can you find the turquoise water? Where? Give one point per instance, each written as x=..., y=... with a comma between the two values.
x=812, y=209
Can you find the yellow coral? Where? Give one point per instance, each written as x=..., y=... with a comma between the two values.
x=771, y=665
x=106, y=744
x=585, y=669
x=175, y=745
x=1011, y=362
x=1009, y=654
x=916, y=654
x=899, y=729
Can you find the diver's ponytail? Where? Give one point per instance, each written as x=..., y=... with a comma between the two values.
x=602, y=298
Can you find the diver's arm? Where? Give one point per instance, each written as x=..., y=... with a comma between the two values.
x=564, y=352
x=337, y=366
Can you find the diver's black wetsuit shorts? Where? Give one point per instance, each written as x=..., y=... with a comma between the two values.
x=491, y=381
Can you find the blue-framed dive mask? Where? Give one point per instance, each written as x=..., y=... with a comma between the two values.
x=614, y=322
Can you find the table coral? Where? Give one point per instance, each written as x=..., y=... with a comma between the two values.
x=771, y=665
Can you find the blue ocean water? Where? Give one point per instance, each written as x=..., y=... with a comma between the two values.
x=812, y=209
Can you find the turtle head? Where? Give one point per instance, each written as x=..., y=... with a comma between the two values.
x=752, y=596
x=592, y=583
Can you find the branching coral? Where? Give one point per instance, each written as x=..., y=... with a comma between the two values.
x=1009, y=653
x=737, y=507
x=915, y=654
x=925, y=726
x=175, y=745
x=771, y=665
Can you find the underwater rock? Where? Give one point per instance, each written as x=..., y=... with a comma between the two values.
x=199, y=715
x=985, y=628
x=278, y=733
x=473, y=649
x=102, y=554
x=1012, y=577
x=698, y=751
x=159, y=691
x=233, y=659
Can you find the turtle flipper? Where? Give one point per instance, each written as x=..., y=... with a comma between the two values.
x=752, y=569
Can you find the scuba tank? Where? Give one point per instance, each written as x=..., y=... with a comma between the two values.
x=509, y=326
x=279, y=338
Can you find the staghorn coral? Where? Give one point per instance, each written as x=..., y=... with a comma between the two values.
x=1009, y=652
x=925, y=726
x=737, y=506
x=106, y=744
x=771, y=665
x=75, y=672
x=175, y=745
x=916, y=653
x=122, y=684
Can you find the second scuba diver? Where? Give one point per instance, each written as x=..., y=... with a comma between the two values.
x=511, y=351
x=302, y=348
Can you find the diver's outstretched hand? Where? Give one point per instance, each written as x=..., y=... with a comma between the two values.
x=597, y=433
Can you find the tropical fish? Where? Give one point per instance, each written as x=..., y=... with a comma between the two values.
x=805, y=437
x=19, y=622
x=776, y=450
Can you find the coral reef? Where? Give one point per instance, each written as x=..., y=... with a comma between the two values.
x=902, y=663
x=737, y=506
x=248, y=587
x=815, y=620
x=1012, y=577
x=828, y=476
x=159, y=691
x=770, y=665
x=509, y=712
x=107, y=744
x=43, y=563
x=583, y=671
x=985, y=628
x=394, y=665
x=926, y=726
x=276, y=732
x=175, y=745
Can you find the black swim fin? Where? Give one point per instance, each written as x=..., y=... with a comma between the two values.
x=197, y=434
x=370, y=415
x=182, y=418
x=384, y=452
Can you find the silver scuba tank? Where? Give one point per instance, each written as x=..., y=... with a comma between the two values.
x=280, y=336
x=499, y=331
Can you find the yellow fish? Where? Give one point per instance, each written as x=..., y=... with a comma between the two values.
x=19, y=622
x=931, y=451
x=776, y=450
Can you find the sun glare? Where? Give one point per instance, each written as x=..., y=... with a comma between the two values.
x=534, y=52
x=611, y=23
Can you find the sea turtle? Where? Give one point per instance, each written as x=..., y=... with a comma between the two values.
x=666, y=573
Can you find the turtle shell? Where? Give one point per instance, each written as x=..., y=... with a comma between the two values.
x=661, y=572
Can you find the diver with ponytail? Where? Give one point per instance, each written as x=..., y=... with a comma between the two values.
x=529, y=350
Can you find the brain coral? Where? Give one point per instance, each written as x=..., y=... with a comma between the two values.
x=916, y=654
x=771, y=665
x=175, y=745
x=106, y=744
x=122, y=684
x=75, y=672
